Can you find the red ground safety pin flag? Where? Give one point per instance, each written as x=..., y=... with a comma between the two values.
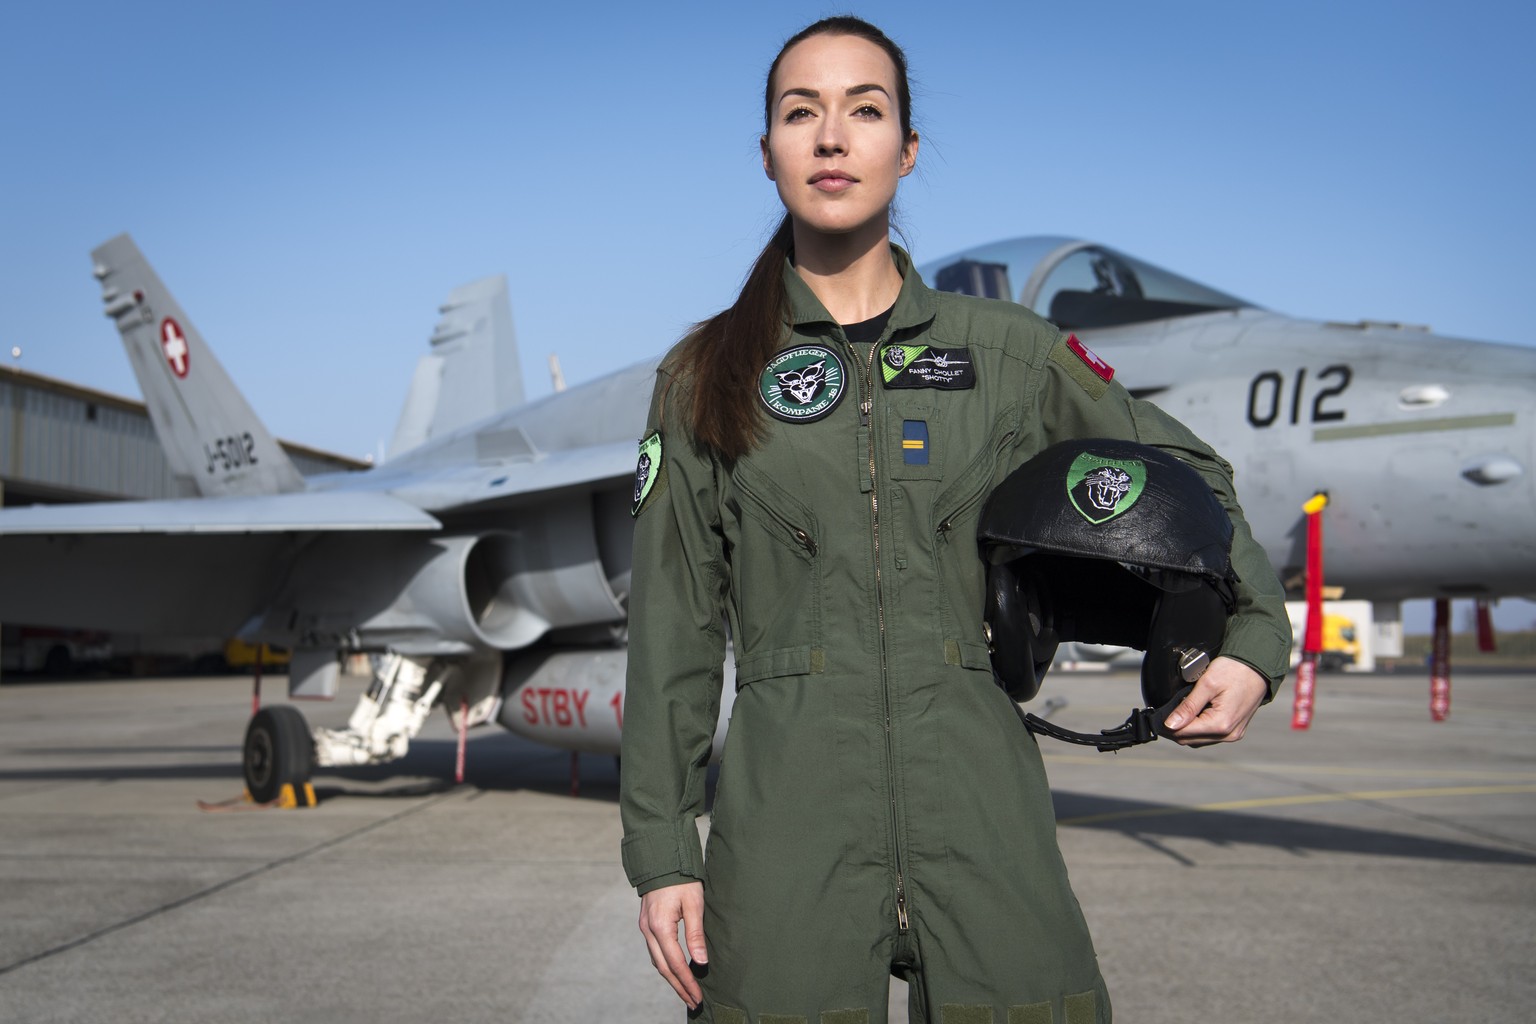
x=1312, y=642
x=1440, y=663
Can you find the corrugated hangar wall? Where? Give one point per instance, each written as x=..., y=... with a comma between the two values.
x=63, y=442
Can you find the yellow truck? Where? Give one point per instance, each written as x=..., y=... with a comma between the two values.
x=1341, y=643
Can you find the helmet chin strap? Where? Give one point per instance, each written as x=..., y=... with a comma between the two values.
x=1142, y=726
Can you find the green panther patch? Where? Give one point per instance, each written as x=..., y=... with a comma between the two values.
x=1103, y=488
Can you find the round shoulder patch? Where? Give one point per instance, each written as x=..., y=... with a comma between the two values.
x=802, y=384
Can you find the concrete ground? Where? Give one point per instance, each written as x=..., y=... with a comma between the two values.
x=1379, y=867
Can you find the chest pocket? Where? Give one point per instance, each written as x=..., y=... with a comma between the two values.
x=776, y=585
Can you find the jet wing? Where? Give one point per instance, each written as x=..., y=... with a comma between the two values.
x=316, y=511
x=360, y=550
x=460, y=486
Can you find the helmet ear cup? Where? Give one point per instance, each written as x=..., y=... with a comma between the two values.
x=1192, y=619
x=1021, y=648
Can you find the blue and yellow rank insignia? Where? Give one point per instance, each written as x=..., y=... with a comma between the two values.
x=914, y=442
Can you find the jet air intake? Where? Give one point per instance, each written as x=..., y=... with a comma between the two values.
x=450, y=594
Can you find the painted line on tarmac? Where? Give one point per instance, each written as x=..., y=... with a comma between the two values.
x=1292, y=801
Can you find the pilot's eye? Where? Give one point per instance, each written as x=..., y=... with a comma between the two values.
x=869, y=110
x=796, y=114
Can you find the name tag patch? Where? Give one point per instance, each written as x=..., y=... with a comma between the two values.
x=914, y=442
x=922, y=366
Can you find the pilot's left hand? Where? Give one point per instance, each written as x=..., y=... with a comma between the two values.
x=1220, y=706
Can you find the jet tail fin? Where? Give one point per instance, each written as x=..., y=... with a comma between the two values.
x=210, y=434
x=471, y=371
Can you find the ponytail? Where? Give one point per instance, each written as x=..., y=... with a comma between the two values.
x=725, y=354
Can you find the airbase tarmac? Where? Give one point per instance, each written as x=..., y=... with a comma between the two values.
x=1377, y=867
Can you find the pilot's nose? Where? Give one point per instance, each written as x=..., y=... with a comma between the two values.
x=830, y=139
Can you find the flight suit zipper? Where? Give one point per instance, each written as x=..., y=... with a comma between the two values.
x=866, y=409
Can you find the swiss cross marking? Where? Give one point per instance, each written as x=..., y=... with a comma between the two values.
x=174, y=344
x=1103, y=370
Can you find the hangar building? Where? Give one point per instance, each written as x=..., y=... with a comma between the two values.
x=60, y=442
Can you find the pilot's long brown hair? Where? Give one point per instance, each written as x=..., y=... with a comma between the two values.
x=724, y=355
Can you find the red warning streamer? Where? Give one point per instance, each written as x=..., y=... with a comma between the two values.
x=463, y=723
x=1485, y=641
x=1440, y=663
x=1312, y=642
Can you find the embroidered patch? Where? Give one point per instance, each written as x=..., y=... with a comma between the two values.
x=647, y=470
x=1066, y=353
x=896, y=357
x=1103, y=488
x=918, y=366
x=802, y=384
x=1100, y=368
x=914, y=442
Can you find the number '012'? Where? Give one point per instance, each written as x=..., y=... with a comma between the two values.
x=1270, y=396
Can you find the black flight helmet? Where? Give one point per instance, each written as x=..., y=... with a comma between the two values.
x=1104, y=541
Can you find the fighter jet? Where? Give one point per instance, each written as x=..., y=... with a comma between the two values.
x=486, y=563
x=1424, y=443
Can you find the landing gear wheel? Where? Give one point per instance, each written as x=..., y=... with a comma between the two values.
x=279, y=751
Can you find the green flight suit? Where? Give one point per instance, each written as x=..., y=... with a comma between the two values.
x=880, y=805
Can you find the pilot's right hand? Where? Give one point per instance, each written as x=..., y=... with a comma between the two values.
x=660, y=911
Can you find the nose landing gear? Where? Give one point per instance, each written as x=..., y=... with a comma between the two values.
x=279, y=757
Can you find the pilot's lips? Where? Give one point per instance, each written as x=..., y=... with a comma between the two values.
x=833, y=180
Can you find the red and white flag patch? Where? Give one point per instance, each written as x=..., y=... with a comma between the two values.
x=1101, y=369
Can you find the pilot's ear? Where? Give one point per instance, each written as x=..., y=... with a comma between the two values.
x=908, y=154
x=762, y=142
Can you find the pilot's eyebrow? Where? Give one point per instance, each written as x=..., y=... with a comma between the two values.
x=853, y=90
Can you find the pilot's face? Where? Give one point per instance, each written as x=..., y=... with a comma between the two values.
x=835, y=147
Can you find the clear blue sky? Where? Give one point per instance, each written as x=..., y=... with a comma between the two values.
x=311, y=179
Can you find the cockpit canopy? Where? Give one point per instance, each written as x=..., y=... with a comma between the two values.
x=1076, y=285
